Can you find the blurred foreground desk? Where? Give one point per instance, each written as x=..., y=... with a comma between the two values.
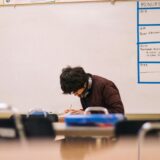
x=124, y=149
x=62, y=129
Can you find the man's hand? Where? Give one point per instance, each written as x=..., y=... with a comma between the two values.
x=74, y=111
x=69, y=111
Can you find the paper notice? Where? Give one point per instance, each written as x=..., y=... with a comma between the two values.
x=26, y=1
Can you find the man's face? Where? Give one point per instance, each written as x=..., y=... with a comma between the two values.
x=79, y=92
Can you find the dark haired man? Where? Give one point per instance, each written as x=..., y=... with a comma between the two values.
x=92, y=90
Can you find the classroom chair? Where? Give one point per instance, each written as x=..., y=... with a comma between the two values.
x=26, y=127
x=131, y=127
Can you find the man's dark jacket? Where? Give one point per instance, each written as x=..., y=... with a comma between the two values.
x=103, y=93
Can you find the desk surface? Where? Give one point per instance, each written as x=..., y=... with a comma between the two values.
x=78, y=149
x=134, y=116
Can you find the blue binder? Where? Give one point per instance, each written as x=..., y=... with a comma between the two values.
x=93, y=119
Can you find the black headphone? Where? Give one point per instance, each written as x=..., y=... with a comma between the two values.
x=87, y=91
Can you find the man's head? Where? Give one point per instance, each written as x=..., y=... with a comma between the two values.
x=73, y=80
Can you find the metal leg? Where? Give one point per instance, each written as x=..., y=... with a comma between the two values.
x=146, y=127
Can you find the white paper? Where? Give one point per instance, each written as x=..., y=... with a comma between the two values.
x=26, y=1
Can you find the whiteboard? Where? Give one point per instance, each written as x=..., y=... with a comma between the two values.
x=36, y=42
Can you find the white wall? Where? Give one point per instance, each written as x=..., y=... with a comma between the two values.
x=36, y=42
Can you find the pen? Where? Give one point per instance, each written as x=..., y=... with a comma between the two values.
x=70, y=107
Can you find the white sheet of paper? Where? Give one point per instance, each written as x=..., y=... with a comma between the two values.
x=26, y=1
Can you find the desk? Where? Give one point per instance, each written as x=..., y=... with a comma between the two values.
x=124, y=149
x=142, y=116
x=62, y=129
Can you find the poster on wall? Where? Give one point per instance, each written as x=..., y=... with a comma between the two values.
x=148, y=41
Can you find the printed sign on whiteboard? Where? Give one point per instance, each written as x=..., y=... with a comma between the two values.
x=148, y=41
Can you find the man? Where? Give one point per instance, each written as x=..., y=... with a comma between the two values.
x=92, y=90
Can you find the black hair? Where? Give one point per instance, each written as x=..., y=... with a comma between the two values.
x=72, y=79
